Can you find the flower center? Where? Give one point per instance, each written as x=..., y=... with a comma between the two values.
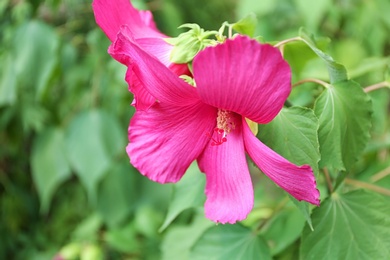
x=224, y=127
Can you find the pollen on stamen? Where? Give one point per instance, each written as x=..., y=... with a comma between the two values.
x=224, y=121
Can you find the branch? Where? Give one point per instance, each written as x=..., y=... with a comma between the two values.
x=318, y=81
x=368, y=186
x=379, y=85
x=279, y=44
x=328, y=180
x=380, y=175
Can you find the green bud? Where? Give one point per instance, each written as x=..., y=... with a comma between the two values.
x=91, y=252
x=189, y=43
x=70, y=251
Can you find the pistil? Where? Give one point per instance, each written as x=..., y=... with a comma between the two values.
x=224, y=127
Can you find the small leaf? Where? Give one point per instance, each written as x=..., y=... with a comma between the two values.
x=230, y=242
x=246, y=25
x=49, y=165
x=344, y=113
x=350, y=226
x=187, y=193
x=337, y=72
x=93, y=139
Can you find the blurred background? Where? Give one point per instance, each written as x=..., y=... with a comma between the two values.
x=66, y=185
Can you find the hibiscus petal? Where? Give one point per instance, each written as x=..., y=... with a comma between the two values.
x=157, y=79
x=164, y=140
x=142, y=99
x=229, y=188
x=299, y=181
x=243, y=76
x=157, y=47
x=111, y=15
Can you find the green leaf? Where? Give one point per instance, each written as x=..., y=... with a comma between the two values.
x=178, y=242
x=380, y=102
x=147, y=220
x=230, y=242
x=293, y=134
x=124, y=239
x=369, y=65
x=246, y=25
x=344, y=113
x=283, y=229
x=355, y=225
x=93, y=139
x=298, y=54
x=8, y=87
x=304, y=208
x=337, y=72
x=117, y=194
x=187, y=193
x=3, y=6
x=35, y=50
x=49, y=165
x=88, y=229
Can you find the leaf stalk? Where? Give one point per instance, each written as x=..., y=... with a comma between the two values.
x=368, y=186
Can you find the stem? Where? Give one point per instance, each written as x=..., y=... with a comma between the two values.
x=379, y=85
x=230, y=31
x=312, y=80
x=279, y=44
x=328, y=180
x=281, y=49
x=368, y=186
x=222, y=30
x=380, y=175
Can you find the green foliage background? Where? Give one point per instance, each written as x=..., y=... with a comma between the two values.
x=66, y=185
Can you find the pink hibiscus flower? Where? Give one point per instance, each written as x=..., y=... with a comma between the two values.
x=120, y=16
x=235, y=80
